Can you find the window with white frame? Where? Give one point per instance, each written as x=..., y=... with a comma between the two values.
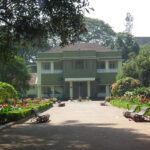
x=79, y=64
x=113, y=65
x=58, y=65
x=101, y=65
x=46, y=66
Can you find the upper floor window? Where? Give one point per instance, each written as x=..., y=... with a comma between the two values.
x=113, y=65
x=79, y=64
x=67, y=66
x=46, y=66
x=101, y=65
x=58, y=65
x=91, y=66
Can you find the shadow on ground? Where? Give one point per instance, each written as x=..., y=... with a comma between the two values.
x=71, y=135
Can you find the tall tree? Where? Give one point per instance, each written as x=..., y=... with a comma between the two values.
x=35, y=19
x=138, y=68
x=126, y=43
x=16, y=73
x=98, y=32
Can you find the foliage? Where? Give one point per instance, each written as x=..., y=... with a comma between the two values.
x=145, y=47
x=38, y=19
x=138, y=68
x=19, y=110
x=129, y=69
x=145, y=91
x=125, y=84
x=16, y=73
x=143, y=64
x=126, y=43
x=6, y=41
x=7, y=91
x=98, y=32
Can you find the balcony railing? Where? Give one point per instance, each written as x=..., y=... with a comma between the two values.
x=104, y=70
x=101, y=70
x=113, y=70
x=51, y=72
x=58, y=71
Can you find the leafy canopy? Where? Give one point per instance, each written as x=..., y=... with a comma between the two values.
x=98, y=32
x=36, y=19
x=16, y=74
x=138, y=68
x=126, y=43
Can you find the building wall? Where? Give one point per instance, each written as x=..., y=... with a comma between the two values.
x=69, y=74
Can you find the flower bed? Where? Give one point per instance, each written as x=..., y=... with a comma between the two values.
x=127, y=102
x=23, y=108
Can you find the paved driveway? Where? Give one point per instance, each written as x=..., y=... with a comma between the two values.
x=79, y=126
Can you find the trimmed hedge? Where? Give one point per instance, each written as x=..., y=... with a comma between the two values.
x=10, y=116
x=125, y=105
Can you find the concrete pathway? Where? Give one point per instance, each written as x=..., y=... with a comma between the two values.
x=79, y=126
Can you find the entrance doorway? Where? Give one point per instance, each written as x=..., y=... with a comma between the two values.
x=79, y=89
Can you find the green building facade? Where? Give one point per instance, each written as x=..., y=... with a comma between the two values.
x=82, y=69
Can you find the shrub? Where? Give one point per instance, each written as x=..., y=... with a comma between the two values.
x=125, y=84
x=145, y=91
x=7, y=92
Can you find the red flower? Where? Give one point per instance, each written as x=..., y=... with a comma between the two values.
x=1, y=106
x=26, y=104
x=5, y=105
x=142, y=100
x=20, y=105
x=146, y=100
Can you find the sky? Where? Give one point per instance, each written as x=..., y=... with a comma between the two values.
x=114, y=13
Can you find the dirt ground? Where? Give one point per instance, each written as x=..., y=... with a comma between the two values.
x=79, y=126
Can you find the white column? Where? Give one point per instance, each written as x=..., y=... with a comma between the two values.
x=107, y=90
x=39, y=68
x=107, y=65
x=88, y=89
x=71, y=90
x=53, y=91
x=39, y=91
x=119, y=65
x=52, y=66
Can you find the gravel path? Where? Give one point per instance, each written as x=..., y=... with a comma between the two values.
x=79, y=126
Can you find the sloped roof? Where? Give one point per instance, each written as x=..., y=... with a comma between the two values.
x=80, y=46
x=142, y=40
x=33, y=80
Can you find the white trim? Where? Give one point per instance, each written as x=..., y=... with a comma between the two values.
x=79, y=79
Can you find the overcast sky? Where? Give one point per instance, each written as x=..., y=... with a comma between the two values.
x=114, y=13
